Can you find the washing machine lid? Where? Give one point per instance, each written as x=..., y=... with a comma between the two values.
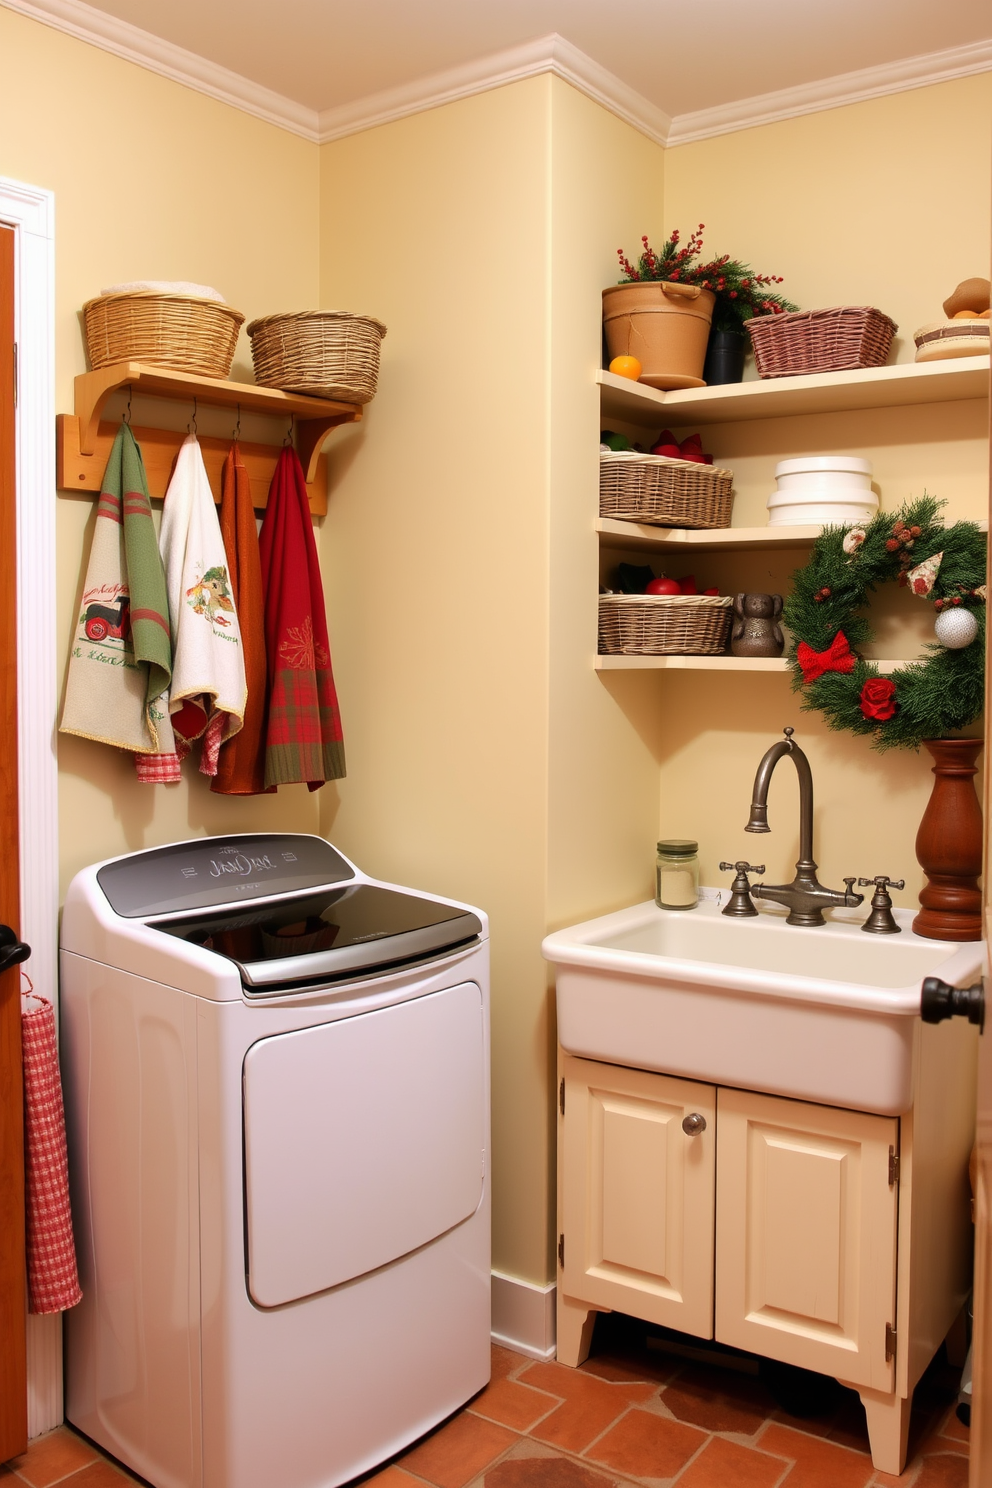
x=341, y=932
x=219, y=870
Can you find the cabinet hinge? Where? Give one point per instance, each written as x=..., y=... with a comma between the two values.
x=561, y=1251
x=893, y=1167
x=890, y=1342
x=561, y=1095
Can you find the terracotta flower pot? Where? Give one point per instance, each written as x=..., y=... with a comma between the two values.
x=665, y=326
x=949, y=845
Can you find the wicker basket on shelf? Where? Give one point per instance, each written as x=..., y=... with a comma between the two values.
x=838, y=340
x=663, y=624
x=181, y=332
x=325, y=353
x=664, y=492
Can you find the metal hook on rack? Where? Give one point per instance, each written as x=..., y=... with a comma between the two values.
x=191, y=426
x=290, y=431
x=237, y=427
x=127, y=411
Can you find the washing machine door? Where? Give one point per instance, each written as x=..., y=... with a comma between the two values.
x=364, y=1139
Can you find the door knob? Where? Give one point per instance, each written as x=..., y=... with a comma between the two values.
x=939, y=1000
x=694, y=1124
x=12, y=950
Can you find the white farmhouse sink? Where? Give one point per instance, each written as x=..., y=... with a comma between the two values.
x=825, y=1014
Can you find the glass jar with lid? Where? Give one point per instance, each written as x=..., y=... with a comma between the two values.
x=676, y=876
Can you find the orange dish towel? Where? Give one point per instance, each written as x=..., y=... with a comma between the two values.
x=53, y=1282
x=241, y=762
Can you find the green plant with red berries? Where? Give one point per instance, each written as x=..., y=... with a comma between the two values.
x=740, y=291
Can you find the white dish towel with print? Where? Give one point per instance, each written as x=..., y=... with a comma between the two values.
x=209, y=691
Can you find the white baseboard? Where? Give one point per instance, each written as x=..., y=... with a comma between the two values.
x=524, y=1316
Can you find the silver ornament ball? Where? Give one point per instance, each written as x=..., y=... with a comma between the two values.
x=955, y=628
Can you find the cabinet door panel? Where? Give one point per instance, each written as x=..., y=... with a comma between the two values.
x=806, y=1235
x=637, y=1206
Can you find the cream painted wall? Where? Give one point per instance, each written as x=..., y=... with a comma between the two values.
x=883, y=203
x=843, y=204
x=435, y=556
x=603, y=775
x=151, y=180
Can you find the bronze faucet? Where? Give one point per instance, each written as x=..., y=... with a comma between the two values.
x=805, y=897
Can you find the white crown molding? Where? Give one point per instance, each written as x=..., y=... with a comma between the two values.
x=547, y=54
x=122, y=39
x=833, y=92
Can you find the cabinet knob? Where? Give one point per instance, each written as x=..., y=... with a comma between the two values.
x=693, y=1124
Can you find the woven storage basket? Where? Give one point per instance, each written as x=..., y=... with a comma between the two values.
x=664, y=492
x=181, y=332
x=821, y=340
x=326, y=353
x=663, y=624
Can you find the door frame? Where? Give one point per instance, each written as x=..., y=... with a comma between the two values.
x=30, y=211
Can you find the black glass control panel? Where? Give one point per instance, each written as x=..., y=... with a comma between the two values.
x=219, y=870
x=334, y=933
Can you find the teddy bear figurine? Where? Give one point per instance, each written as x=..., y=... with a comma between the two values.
x=756, y=631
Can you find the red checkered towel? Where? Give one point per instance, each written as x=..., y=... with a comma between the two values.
x=53, y=1283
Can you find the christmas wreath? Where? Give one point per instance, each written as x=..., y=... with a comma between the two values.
x=944, y=566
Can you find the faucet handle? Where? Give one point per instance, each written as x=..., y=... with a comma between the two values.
x=881, y=921
x=739, y=905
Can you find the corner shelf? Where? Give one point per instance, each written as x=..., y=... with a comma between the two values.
x=83, y=441
x=617, y=534
x=638, y=535
x=902, y=386
x=711, y=664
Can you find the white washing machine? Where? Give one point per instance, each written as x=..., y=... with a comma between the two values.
x=277, y=1093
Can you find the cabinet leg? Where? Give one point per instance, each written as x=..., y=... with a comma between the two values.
x=888, y=1429
x=575, y=1325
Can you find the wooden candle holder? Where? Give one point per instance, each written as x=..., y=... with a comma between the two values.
x=949, y=845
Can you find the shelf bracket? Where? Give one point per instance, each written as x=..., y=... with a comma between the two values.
x=310, y=436
x=92, y=391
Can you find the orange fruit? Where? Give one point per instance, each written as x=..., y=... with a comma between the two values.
x=965, y=315
x=626, y=366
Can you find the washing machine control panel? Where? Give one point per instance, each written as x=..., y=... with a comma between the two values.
x=219, y=870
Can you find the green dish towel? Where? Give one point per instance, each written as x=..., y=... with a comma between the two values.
x=121, y=658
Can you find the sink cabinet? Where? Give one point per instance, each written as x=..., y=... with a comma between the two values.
x=833, y=1239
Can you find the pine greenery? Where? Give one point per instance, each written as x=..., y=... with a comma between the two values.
x=936, y=696
x=740, y=292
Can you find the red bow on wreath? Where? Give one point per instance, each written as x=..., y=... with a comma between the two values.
x=838, y=657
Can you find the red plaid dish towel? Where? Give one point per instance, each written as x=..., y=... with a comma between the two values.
x=303, y=740
x=53, y=1282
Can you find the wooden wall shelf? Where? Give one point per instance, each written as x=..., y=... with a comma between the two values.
x=83, y=440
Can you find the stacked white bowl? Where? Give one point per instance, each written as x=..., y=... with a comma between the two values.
x=834, y=489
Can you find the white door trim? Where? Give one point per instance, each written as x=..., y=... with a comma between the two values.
x=30, y=211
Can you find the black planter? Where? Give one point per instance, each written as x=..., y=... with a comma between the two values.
x=725, y=352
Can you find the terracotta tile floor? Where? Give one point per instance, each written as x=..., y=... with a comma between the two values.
x=629, y=1416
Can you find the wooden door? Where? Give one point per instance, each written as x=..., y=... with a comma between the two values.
x=13, y=1368
x=806, y=1235
x=637, y=1194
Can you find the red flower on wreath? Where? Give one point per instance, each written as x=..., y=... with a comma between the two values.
x=878, y=699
